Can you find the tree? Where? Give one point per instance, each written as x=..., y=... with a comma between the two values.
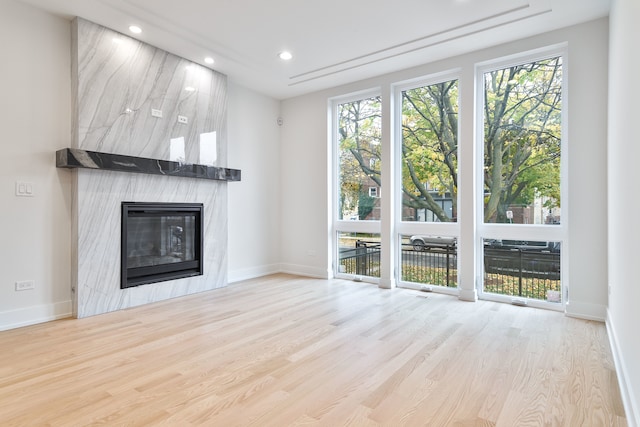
x=359, y=154
x=522, y=136
x=430, y=147
x=522, y=139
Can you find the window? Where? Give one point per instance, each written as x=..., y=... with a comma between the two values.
x=496, y=224
x=522, y=143
x=358, y=140
x=519, y=220
x=429, y=153
x=427, y=183
x=359, y=254
x=357, y=156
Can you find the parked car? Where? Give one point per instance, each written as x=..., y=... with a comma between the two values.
x=523, y=245
x=422, y=243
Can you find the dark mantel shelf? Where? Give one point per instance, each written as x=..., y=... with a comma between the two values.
x=72, y=158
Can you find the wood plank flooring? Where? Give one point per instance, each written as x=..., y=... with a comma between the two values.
x=291, y=351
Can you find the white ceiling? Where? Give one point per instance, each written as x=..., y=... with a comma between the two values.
x=333, y=41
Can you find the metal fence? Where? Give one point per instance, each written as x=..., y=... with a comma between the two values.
x=523, y=273
x=433, y=265
x=363, y=260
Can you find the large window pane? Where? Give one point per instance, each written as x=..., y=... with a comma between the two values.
x=359, y=254
x=528, y=269
x=430, y=153
x=359, y=133
x=522, y=139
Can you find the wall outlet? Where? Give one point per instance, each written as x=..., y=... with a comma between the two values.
x=25, y=285
x=183, y=119
x=24, y=189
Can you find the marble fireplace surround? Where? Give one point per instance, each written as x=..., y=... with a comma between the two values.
x=119, y=85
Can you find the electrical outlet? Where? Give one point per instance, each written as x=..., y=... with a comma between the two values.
x=183, y=119
x=25, y=285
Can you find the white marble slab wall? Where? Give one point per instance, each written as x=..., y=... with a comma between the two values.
x=118, y=81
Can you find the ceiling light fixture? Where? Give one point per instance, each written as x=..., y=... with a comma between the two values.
x=209, y=60
x=285, y=56
x=135, y=29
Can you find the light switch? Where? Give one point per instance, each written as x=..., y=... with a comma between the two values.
x=24, y=189
x=156, y=113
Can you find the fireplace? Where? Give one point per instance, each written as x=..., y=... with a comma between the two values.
x=160, y=241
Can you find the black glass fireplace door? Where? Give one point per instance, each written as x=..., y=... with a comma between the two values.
x=160, y=242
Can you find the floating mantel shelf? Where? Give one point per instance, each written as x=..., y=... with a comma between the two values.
x=73, y=158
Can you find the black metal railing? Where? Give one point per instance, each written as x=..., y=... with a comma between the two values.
x=507, y=271
x=433, y=265
x=363, y=260
x=523, y=273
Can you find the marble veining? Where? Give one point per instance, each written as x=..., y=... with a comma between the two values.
x=117, y=82
x=75, y=158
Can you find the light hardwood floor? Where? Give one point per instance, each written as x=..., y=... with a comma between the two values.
x=285, y=350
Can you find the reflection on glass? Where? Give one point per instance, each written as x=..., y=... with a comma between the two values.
x=160, y=240
x=176, y=150
x=208, y=149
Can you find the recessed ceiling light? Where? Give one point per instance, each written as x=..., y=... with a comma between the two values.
x=135, y=29
x=285, y=56
x=209, y=60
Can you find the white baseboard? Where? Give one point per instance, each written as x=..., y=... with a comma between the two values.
x=586, y=311
x=305, y=270
x=35, y=314
x=629, y=400
x=265, y=270
x=253, y=272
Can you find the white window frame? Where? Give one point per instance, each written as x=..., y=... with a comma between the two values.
x=536, y=232
x=337, y=225
x=409, y=228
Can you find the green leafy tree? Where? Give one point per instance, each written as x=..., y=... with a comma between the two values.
x=522, y=140
x=359, y=154
x=430, y=147
x=522, y=136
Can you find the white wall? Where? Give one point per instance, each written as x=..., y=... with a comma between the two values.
x=624, y=175
x=305, y=177
x=254, y=203
x=35, y=117
x=305, y=226
x=35, y=122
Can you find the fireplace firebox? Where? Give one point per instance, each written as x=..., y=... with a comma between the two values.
x=160, y=241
